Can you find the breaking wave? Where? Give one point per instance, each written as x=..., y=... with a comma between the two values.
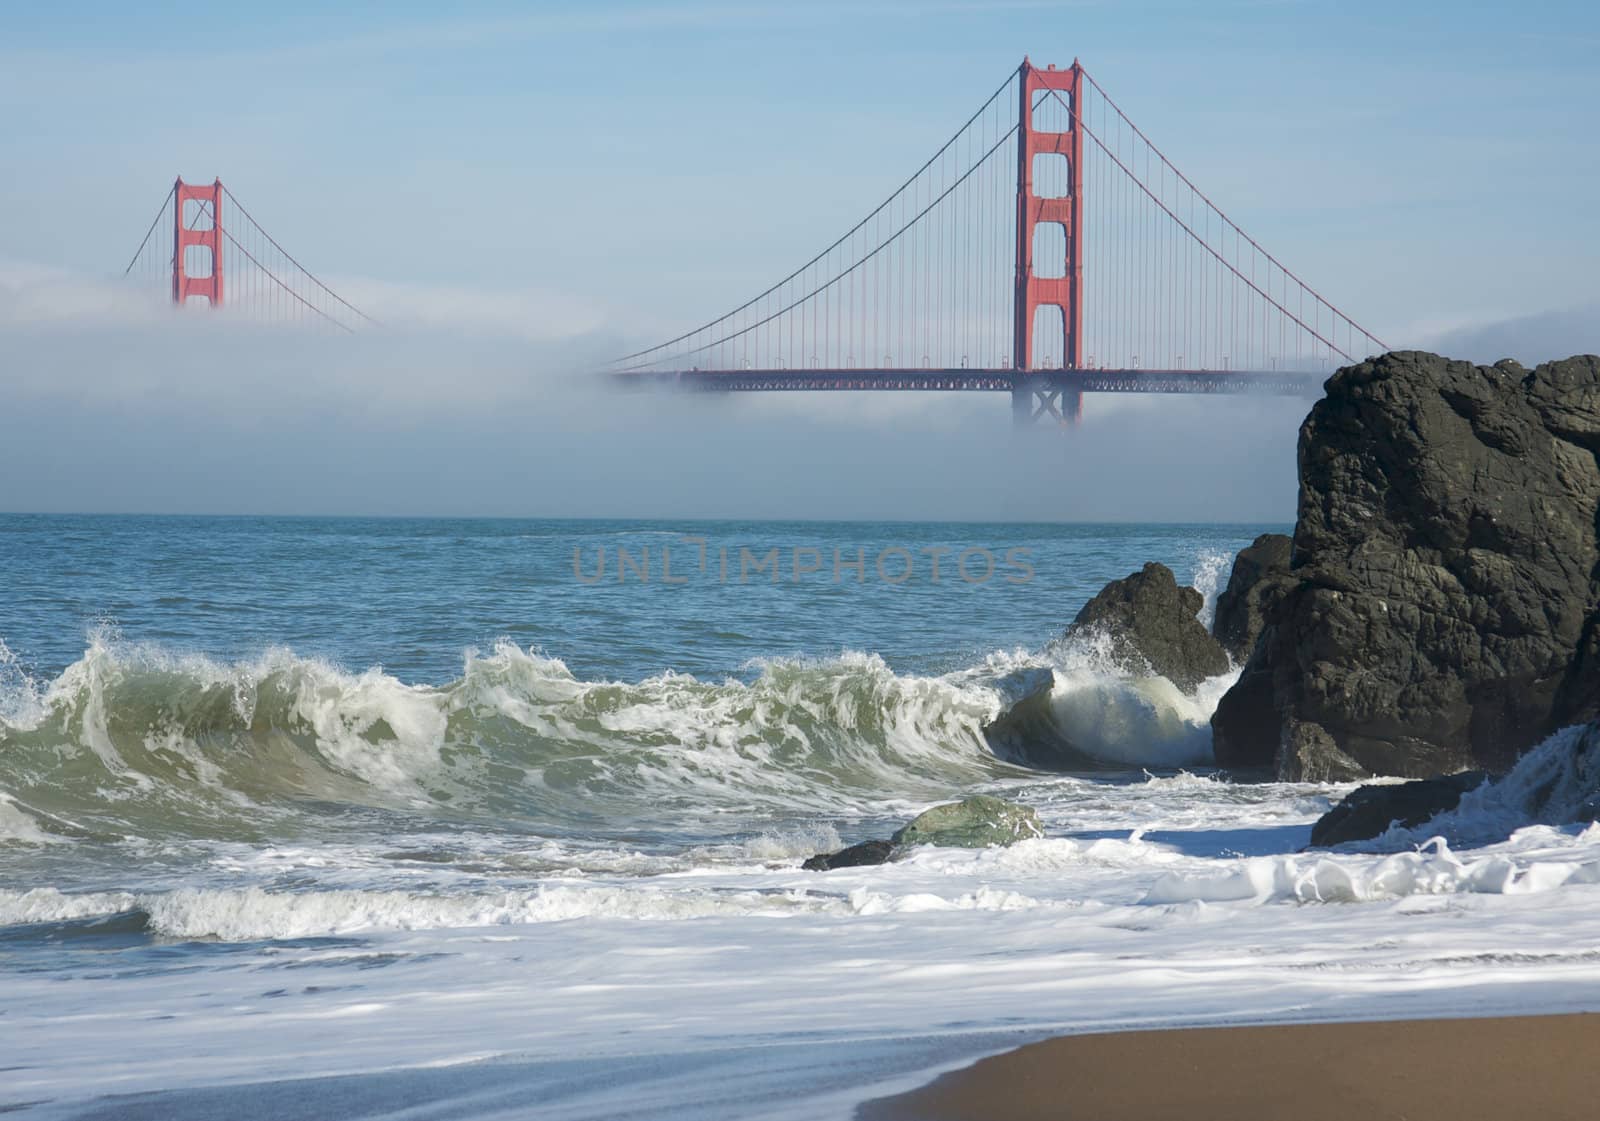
x=134, y=739
x=1119, y=715
x=1111, y=714
x=137, y=740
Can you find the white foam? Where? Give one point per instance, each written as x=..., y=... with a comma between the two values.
x=485, y=943
x=786, y=844
x=17, y=825
x=255, y=914
x=48, y=904
x=1122, y=715
x=1556, y=783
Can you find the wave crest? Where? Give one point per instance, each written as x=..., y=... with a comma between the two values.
x=135, y=738
x=145, y=741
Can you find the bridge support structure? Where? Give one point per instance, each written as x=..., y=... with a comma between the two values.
x=1066, y=291
x=208, y=236
x=1044, y=399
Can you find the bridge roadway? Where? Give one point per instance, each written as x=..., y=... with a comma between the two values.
x=1276, y=382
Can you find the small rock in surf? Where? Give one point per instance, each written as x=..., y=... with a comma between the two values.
x=976, y=822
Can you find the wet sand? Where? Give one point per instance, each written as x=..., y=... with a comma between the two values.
x=1543, y=1068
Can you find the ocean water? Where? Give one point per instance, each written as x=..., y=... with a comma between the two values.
x=480, y=818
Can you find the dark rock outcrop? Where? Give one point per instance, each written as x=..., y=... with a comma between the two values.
x=856, y=856
x=1368, y=811
x=1443, y=607
x=1260, y=576
x=1151, y=621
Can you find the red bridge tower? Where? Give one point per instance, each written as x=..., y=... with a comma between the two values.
x=1031, y=397
x=210, y=237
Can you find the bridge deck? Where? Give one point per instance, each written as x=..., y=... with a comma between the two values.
x=1275, y=382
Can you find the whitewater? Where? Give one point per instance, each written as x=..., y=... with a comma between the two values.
x=407, y=816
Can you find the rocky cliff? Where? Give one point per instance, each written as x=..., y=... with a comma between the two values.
x=1440, y=611
x=1259, y=577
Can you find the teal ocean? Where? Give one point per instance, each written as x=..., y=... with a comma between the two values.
x=243, y=678
x=410, y=595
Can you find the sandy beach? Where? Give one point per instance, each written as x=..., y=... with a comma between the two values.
x=1405, y=1070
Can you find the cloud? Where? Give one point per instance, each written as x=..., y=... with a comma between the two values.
x=532, y=314
x=33, y=295
x=1530, y=339
x=468, y=403
x=38, y=295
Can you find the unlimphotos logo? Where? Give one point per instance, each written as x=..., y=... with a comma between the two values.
x=698, y=559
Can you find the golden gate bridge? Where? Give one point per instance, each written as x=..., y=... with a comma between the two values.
x=188, y=244
x=1047, y=249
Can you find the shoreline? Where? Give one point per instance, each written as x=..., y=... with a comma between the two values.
x=1537, y=1066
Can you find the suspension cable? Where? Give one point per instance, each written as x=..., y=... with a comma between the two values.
x=309, y=274
x=156, y=221
x=1251, y=284
x=1236, y=229
x=273, y=277
x=840, y=276
x=846, y=236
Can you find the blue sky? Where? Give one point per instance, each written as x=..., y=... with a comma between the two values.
x=1424, y=162
x=628, y=169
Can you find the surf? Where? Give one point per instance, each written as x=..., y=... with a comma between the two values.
x=144, y=740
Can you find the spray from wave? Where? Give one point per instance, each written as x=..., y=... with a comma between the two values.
x=1124, y=716
x=1211, y=571
x=1099, y=712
